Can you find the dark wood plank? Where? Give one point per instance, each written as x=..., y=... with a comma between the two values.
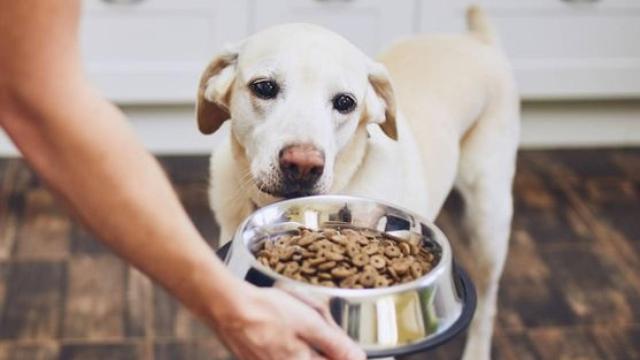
x=102, y=351
x=186, y=169
x=165, y=310
x=4, y=269
x=527, y=289
x=138, y=312
x=543, y=209
x=44, y=231
x=618, y=342
x=34, y=297
x=83, y=242
x=195, y=199
x=594, y=285
x=94, y=306
x=559, y=343
x=628, y=161
x=171, y=319
x=16, y=183
x=570, y=289
x=193, y=350
x=40, y=351
x=514, y=346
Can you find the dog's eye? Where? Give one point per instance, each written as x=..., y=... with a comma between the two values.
x=265, y=89
x=344, y=103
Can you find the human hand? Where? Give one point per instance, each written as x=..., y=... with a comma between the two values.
x=270, y=324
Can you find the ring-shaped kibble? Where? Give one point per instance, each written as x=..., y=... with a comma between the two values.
x=392, y=251
x=362, y=240
x=349, y=232
x=378, y=262
x=325, y=276
x=334, y=256
x=368, y=279
x=264, y=261
x=381, y=281
x=282, y=241
x=360, y=259
x=338, y=249
x=306, y=240
x=274, y=259
x=328, y=232
x=349, y=281
x=286, y=253
x=327, y=265
x=340, y=272
x=325, y=260
x=371, y=249
x=405, y=248
x=317, y=260
x=307, y=269
x=401, y=267
x=293, y=266
x=279, y=267
x=393, y=274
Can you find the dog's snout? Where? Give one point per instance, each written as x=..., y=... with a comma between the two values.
x=302, y=163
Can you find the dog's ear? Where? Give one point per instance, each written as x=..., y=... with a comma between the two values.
x=214, y=91
x=380, y=101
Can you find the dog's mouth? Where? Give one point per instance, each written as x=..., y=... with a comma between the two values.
x=289, y=190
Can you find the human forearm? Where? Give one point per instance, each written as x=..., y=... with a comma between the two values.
x=87, y=153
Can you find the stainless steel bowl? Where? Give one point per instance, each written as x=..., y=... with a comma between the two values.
x=389, y=321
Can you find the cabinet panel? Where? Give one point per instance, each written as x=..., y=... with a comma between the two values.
x=370, y=24
x=560, y=49
x=150, y=51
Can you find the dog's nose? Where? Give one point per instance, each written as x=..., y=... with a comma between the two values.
x=301, y=163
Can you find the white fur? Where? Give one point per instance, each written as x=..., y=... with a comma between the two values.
x=458, y=126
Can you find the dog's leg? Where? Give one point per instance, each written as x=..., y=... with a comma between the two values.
x=485, y=176
x=488, y=217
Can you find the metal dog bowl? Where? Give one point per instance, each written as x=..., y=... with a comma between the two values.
x=401, y=319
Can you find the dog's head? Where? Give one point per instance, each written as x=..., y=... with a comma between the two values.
x=296, y=95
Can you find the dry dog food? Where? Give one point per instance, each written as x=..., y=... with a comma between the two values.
x=346, y=257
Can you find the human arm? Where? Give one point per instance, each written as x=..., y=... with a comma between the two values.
x=83, y=148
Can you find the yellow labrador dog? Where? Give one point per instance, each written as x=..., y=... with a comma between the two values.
x=311, y=114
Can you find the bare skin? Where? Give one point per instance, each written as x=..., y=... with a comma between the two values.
x=83, y=148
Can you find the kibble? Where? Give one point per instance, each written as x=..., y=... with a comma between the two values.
x=346, y=257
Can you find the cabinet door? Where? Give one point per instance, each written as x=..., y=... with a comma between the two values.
x=153, y=51
x=370, y=24
x=559, y=48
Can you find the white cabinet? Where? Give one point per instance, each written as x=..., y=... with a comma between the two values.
x=560, y=49
x=152, y=51
x=370, y=24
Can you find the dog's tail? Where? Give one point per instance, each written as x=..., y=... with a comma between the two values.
x=479, y=25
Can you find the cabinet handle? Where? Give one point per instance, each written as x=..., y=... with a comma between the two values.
x=581, y=1
x=123, y=2
x=334, y=1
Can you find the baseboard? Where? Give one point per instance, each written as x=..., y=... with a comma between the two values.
x=172, y=129
x=564, y=124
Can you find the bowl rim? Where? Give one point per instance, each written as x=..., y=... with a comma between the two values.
x=445, y=262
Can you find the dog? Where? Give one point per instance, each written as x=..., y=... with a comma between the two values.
x=311, y=114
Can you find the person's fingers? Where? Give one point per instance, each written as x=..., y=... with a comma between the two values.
x=331, y=342
x=321, y=308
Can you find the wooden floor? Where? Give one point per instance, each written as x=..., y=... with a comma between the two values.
x=571, y=288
